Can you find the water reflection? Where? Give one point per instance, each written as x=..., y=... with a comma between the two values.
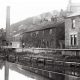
x=18, y=76
x=2, y=73
x=15, y=73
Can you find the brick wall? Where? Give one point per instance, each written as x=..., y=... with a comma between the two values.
x=42, y=39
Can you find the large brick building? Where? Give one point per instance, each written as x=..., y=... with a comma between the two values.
x=48, y=34
x=45, y=35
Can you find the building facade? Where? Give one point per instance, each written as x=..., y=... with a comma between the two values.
x=49, y=36
x=72, y=28
x=72, y=31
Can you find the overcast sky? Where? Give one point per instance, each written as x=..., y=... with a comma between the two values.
x=22, y=9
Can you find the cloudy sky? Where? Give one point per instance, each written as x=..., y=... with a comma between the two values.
x=21, y=9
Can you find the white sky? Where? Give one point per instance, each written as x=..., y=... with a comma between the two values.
x=22, y=9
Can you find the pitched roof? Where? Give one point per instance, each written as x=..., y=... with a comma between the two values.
x=75, y=14
x=41, y=26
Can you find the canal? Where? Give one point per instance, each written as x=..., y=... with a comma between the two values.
x=17, y=73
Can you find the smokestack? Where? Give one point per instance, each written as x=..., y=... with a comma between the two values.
x=8, y=39
x=69, y=6
x=8, y=23
x=70, y=1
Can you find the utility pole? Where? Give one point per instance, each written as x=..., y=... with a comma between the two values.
x=7, y=38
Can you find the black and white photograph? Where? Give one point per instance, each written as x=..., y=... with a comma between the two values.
x=39, y=39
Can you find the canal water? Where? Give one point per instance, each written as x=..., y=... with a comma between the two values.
x=17, y=73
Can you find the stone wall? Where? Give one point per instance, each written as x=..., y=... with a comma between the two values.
x=69, y=30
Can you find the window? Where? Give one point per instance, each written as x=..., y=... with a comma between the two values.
x=34, y=34
x=73, y=23
x=73, y=40
x=47, y=44
x=37, y=32
x=50, y=31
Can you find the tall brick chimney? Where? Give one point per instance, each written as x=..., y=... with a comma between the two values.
x=69, y=6
x=8, y=24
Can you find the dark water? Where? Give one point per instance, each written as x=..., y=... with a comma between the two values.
x=28, y=75
x=34, y=76
x=17, y=73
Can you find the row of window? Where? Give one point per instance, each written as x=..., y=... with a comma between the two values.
x=40, y=43
x=37, y=32
x=73, y=40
